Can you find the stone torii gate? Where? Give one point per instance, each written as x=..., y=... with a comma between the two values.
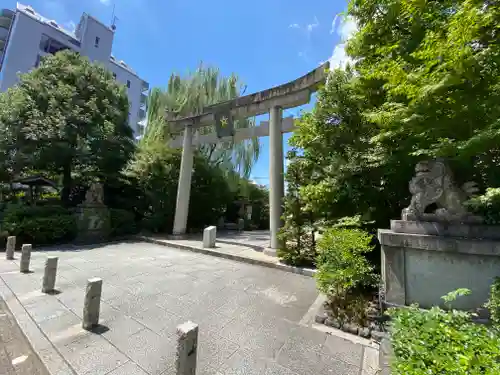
x=272, y=101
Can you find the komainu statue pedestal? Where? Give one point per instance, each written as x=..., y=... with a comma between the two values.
x=429, y=254
x=93, y=217
x=422, y=261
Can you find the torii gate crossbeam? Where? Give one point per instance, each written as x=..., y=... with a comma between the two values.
x=273, y=101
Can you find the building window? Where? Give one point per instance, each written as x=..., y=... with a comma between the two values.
x=114, y=75
x=97, y=40
x=128, y=83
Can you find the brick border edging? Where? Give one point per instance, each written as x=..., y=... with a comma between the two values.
x=53, y=361
x=279, y=266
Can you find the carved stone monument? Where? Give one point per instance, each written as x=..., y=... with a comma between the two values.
x=93, y=217
x=438, y=246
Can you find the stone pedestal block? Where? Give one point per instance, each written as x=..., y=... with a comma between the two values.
x=92, y=303
x=49, y=275
x=187, y=345
x=10, y=248
x=209, y=237
x=93, y=222
x=438, y=258
x=24, y=264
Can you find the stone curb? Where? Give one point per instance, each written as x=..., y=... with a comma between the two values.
x=50, y=357
x=279, y=266
x=236, y=243
x=385, y=355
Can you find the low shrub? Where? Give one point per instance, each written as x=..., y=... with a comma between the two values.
x=297, y=250
x=39, y=225
x=122, y=222
x=342, y=265
x=344, y=273
x=441, y=341
x=486, y=205
x=493, y=304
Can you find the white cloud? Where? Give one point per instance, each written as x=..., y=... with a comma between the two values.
x=105, y=2
x=344, y=29
x=294, y=26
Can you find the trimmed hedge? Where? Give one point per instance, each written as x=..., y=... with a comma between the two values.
x=39, y=225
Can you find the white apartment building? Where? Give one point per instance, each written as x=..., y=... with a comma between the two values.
x=26, y=36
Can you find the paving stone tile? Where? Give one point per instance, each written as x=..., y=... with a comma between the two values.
x=60, y=326
x=130, y=303
x=244, y=362
x=213, y=350
x=306, y=361
x=342, y=349
x=154, y=353
x=158, y=320
x=46, y=309
x=129, y=368
x=120, y=328
x=93, y=355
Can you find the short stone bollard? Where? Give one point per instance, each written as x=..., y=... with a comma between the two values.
x=241, y=224
x=24, y=265
x=49, y=275
x=209, y=236
x=92, y=303
x=187, y=344
x=10, y=247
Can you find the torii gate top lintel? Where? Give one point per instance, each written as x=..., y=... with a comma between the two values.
x=288, y=95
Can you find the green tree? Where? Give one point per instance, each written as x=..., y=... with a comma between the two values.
x=67, y=117
x=424, y=84
x=436, y=68
x=155, y=168
x=190, y=94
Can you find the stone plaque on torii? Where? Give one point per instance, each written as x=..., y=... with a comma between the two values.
x=223, y=115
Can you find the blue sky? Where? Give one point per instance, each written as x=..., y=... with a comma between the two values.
x=265, y=42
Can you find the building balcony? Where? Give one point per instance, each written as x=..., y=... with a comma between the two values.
x=145, y=86
x=5, y=22
x=2, y=45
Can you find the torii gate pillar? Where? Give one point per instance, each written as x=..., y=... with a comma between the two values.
x=184, y=186
x=276, y=179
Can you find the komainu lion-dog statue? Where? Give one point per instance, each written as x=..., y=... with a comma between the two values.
x=433, y=184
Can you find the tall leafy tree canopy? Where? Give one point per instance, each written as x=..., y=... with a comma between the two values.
x=424, y=82
x=67, y=117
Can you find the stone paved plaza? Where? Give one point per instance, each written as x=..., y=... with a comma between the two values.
x=248, y=315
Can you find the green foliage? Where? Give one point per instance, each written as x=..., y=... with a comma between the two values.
x=342, y=265
x=298, y=235
x=122, y=222
x=156, y=170
x=190, y=94
x=39, y=225
x=425, y=83
x=487, y=205
x=67, y=117
x=493, y=304
x=442, y=342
